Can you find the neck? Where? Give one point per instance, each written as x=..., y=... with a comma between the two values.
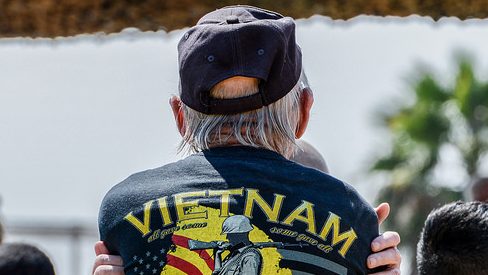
x=226, y=139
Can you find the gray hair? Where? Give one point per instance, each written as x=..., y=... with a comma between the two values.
x=271, y=127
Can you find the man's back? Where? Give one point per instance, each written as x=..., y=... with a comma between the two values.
x=318, y=224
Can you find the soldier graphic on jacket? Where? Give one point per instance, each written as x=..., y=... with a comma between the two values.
x=243, y=257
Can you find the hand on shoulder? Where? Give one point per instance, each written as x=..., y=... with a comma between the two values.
x=106, y=264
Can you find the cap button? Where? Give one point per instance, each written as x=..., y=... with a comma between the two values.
x=232, y=19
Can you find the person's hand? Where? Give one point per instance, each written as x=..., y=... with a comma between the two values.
x=106, y=264
x=384, y=247
x=223, y=245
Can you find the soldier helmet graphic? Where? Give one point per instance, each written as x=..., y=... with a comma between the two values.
x=237, y=224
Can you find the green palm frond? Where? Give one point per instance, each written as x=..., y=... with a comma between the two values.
x=439, y=116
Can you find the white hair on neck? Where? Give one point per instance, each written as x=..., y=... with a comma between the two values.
x=271, y=127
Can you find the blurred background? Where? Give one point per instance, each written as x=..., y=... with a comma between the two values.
x=50, y=18
x=401, y=106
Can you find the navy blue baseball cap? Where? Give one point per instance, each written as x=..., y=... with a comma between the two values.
x=238, y=41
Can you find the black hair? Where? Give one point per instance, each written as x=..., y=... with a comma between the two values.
x=24, y=259
x=454, y=240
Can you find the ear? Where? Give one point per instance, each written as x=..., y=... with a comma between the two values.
x=306, y=102
x=175, y=103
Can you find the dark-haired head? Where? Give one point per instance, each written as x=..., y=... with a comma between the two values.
x=479, y=190
x=454, y=240
x=24, y=259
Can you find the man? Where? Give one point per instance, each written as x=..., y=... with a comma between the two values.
x=24, y=259
x=1, y=226
x=244, y=102
x=243, y=257
x=479, y=190
x=1, y=232
x=307, y=155
x=454, y=240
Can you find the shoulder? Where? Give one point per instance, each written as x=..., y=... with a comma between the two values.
x=333, y=184
x=251, y=250
x=350, y=204
x=143, y=182
x=306, y=176
x=131, y=193
x=251, y=254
